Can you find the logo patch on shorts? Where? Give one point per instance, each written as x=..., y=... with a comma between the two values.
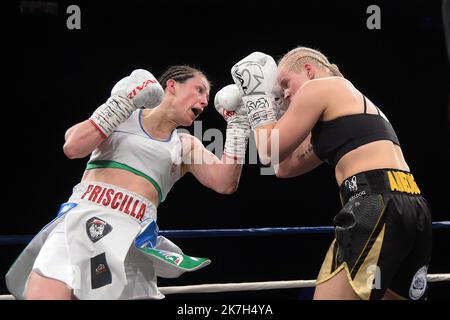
x=352, y=184
x=100, y=272
x=97, y=228
x=418, y=284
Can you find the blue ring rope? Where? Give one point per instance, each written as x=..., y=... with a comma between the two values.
x=214, y=233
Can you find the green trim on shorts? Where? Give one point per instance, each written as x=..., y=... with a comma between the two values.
x=117, y=165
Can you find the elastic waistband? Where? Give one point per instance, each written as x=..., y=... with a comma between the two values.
x=115, y=198
x=377, y=182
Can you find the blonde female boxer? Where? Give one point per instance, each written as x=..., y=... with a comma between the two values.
x=104, y=243
x=382, y=244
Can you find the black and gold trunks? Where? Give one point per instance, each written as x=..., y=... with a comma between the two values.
x=382, y=236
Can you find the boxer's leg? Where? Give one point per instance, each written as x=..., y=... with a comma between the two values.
x=43, y=288
x=338, y=287
x=52, y=272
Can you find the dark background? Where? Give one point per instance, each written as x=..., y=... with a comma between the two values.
x=57, y=77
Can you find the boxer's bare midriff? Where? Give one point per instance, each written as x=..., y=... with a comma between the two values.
x=375, y=155
x=123, y=179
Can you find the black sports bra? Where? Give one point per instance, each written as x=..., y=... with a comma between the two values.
x=332, y=139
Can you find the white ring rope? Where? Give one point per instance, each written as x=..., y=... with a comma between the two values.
x=252, y=286
x=243, y=286
x=438, y=277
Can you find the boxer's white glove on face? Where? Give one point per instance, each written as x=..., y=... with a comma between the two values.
x=255, y=76
x=138, y=90
x=228, y=103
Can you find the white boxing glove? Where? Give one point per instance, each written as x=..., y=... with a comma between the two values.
x=228, y=103
x=255, y=76
x=138, y=90
x=141, y=87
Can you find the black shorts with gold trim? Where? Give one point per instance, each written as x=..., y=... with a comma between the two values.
x=382, y=236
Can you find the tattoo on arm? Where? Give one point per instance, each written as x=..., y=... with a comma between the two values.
x=301, y=155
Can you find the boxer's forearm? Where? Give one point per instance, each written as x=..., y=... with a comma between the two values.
x=299, y=162
x=220, y=175
x=81, y=140
x=265, y=144
x=226, y=175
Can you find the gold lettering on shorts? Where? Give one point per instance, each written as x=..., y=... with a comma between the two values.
x=403, y=182
x=404, y=179
x=393, y=183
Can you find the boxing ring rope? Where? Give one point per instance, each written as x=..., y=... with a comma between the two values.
x=264, y=285
x=243, y=286
x=251, y=286
x=214, y=233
